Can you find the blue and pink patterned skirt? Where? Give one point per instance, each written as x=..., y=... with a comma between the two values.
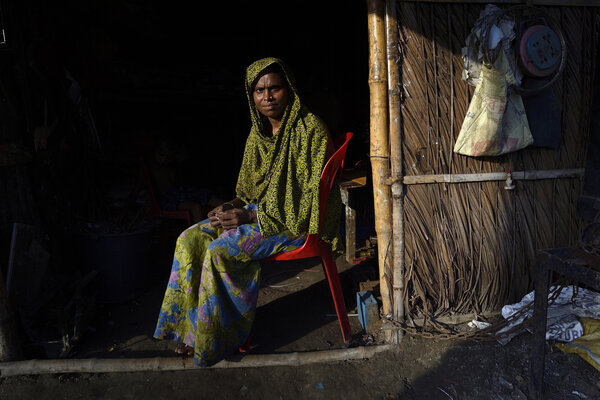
x=210, y=301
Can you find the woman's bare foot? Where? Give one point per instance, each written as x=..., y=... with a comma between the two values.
x=184, y=350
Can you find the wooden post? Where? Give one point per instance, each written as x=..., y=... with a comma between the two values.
x=350, y=224
x=379, y=148
x=397, y=188
x=540, y=315
x=10, y=347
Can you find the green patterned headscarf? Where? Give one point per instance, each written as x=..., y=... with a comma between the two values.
x=281, y=173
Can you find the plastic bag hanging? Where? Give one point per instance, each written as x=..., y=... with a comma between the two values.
x=495, y=122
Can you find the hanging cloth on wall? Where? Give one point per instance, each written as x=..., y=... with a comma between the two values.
x=495, y=122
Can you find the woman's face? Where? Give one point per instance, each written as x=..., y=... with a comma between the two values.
x=271, y=95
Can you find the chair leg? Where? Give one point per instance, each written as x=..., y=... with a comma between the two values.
x=336, y=292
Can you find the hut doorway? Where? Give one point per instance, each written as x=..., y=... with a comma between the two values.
x=148, y=72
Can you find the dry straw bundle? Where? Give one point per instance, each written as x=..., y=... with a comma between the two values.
x=470, y=247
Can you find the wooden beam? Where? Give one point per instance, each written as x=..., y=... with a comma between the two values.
x=112, y=365
x=494, y=176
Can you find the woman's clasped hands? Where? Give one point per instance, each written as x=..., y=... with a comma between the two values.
x=227, y=216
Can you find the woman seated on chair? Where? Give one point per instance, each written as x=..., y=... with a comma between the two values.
x=210, y=301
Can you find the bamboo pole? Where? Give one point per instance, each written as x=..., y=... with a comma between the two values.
x=111, y=365
x=379, y=150
x=494, y=176
x=395, y=134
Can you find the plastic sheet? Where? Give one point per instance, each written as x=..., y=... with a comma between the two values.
x=563, y=323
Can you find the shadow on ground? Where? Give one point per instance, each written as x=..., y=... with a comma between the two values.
x=295, y=313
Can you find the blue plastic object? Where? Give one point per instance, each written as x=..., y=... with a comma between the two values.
x=368, y=310
x=543, y=48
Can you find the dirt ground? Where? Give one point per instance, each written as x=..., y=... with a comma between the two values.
x=296, y=314
x=420, y=369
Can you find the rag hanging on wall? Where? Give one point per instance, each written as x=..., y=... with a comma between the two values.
x=540, y=54
x=496, y=121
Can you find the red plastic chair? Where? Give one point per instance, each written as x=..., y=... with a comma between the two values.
x=315, y=247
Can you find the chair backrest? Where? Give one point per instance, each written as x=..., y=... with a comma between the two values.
x=331, y=171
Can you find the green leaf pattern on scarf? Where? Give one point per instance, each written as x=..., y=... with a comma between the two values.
x=281, y=174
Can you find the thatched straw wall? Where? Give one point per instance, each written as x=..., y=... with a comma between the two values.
x=470, y=247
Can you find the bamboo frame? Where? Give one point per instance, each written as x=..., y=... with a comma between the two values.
x=494, y=176
x=379, y=147
x=397, y=188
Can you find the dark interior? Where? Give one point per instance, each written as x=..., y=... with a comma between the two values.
x=110, y=77
x=88, y=86
x=148, y=70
